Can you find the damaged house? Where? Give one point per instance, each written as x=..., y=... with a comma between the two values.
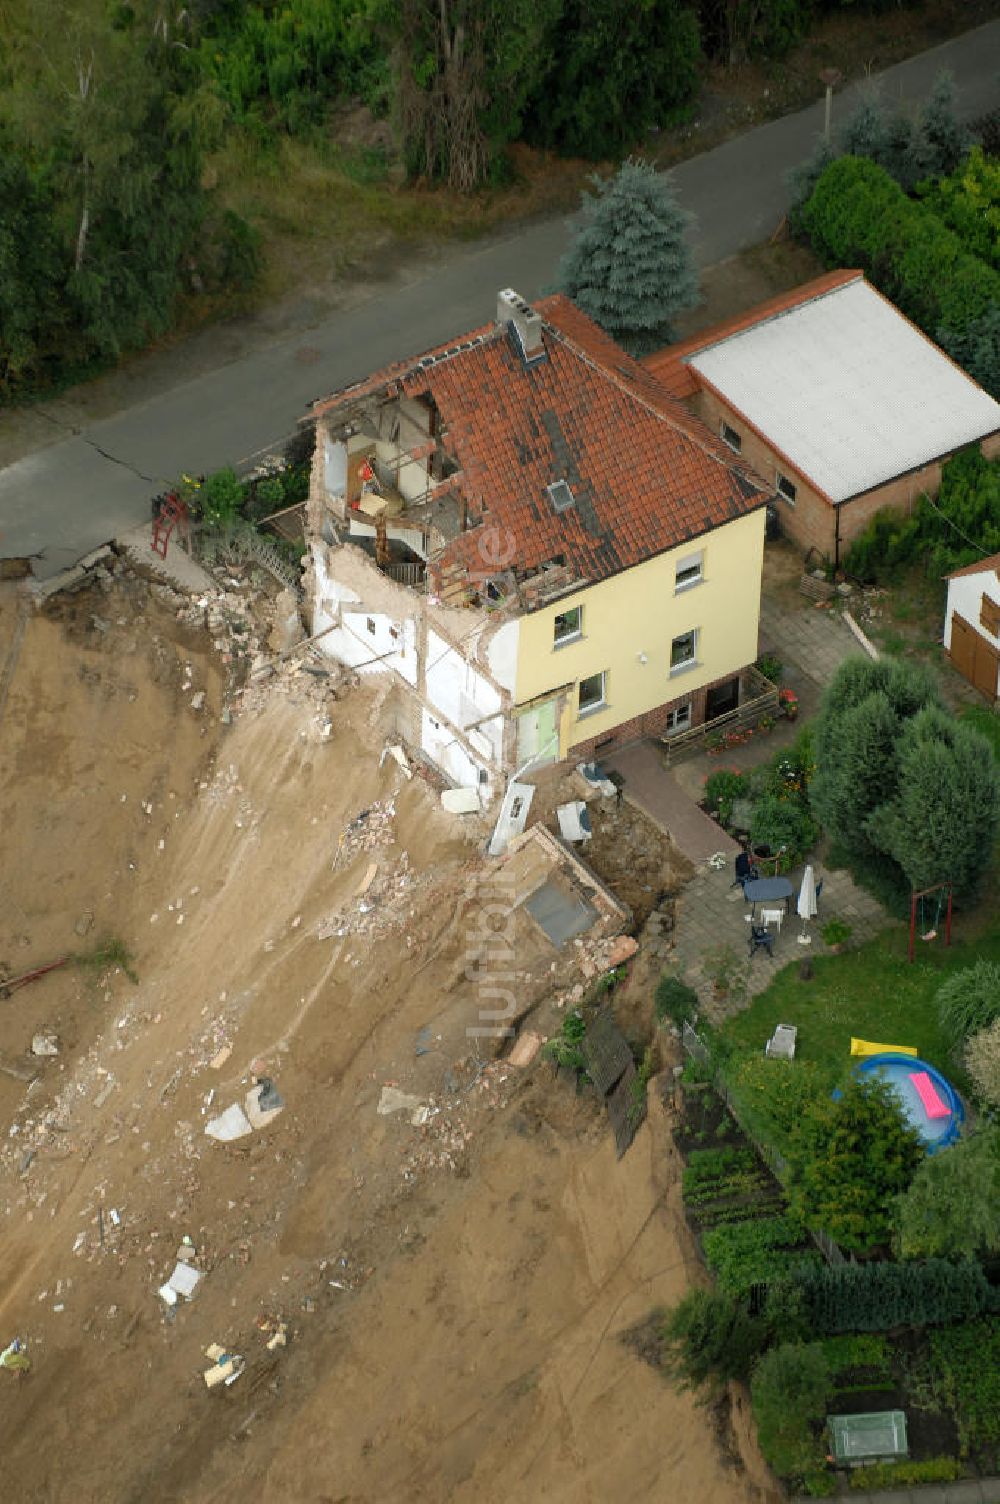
x=543, y=547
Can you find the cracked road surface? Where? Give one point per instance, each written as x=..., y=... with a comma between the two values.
x=63, y=500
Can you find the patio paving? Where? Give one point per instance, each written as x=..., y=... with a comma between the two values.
x=655, y=789
x=711, y=913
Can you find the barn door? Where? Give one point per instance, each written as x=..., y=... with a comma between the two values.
x=975, y=658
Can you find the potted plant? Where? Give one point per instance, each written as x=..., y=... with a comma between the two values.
x=788, y=701
x=765, y=724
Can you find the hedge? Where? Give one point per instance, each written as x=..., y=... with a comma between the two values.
x=857, y=216
x=879, y=1297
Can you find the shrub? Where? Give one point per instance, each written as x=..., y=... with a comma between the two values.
x=968, y=202
x=790, y=1388
x=906, y=1474
x=982, y=1061
x=952, y=1207
x=674, y=1000
x=835, y=932
x=783, y=825
x=849, y=1157
x=565, y=1047
x=221, y=497
x=877, y=1297
x=966, y=1362
x=722, y=788
x=770, y=666
x=944, y=816
x=969, y=1000
x=857, y=216
x=710, y=1338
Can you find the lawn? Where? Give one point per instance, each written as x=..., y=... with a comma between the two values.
x=872, y=992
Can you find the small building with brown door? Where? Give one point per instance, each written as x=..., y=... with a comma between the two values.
x=838, y=402
x=972, y=624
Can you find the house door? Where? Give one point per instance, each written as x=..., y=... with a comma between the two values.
x=722, y=698
x=975, y=659
x=538, y=734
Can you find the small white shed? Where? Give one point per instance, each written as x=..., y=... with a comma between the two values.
x=972, y=624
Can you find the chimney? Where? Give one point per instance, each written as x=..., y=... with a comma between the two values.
x=523, y=322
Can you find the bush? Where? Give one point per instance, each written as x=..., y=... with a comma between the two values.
x=966, y=1363
x=968, y=1001
x=877, y=1297
x=722, y=788
x=783, y=825
x=906, y=1474
x=674, y=1000
x=790, y=1388
x=849, y=1157
x=710, y=1338
x=968, y=202
x=564, y=1048
x=835, y=932
x=770, y=666
x=857, y=216
x=982, y=1061
x=771, y=1096
x=221, y=498
x=952, y=1207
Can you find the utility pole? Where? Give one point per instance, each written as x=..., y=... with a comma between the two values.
x=830, y=77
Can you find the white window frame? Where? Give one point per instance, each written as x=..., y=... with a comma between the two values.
x=731, y=436
x=575, y=635
x=601, y=704
x=784, y=486
x=688, y=663
x=673, y=726
x=691, y=561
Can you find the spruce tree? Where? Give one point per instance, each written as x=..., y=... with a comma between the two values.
x=863, y=134
x=630, y=265
x=940, y=141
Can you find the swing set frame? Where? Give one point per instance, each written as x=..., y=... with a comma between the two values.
x=917, y=897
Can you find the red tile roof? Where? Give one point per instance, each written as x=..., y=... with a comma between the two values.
x=670, y=366
x=645, y=474
x=983, y=566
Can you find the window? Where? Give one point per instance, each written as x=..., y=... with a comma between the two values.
x=689, y=572
x=371, y=625
x=568, y=626
x=560, y=496
x=678, y=719
x=592, y=693
x=989, y=615
x=682, y=651
x=731, y=437
x=785, y=487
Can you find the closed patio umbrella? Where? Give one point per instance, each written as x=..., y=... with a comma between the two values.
x=807, y=902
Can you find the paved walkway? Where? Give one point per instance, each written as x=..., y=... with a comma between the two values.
x=651, y=787
x=969, y=1491
x=178, y=568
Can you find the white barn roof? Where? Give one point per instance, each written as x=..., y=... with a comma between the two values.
x=848, y=390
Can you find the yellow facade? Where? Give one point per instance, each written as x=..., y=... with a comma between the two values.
x=630, y=622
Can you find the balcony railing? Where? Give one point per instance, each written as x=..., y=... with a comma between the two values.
x=413, y=574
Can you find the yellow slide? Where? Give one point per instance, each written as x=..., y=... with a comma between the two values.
x=867, y=1047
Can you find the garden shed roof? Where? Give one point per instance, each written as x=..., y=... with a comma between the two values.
x=846, y=388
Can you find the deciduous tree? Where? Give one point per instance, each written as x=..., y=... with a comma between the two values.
x=952, y=1206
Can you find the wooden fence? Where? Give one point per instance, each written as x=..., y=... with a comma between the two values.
x=761, y=699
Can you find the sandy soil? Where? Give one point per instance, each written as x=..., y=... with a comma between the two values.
x=455, y=1293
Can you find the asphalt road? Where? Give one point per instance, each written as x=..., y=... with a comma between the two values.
x=69, y=497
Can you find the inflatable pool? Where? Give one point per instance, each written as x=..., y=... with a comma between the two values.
x=930, y=1103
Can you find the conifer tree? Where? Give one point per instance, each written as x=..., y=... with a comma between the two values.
x=940, y=141
x=630, y=265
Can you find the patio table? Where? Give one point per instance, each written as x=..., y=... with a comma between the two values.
x=768, y=890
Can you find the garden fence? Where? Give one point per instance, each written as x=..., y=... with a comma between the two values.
x=695, y=1046
x=758, y=700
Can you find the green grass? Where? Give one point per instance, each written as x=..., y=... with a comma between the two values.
x=986, y=722
x=872, y=993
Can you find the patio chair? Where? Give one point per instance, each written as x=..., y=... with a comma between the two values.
x=781, y=1045
x=772, y=916
x=819, y=889
x=761, y=939
x=746, y=871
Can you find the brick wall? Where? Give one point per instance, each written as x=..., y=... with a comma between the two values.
x=810, y=522
x=651, y=723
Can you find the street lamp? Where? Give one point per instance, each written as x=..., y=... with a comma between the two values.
x=830, y=77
